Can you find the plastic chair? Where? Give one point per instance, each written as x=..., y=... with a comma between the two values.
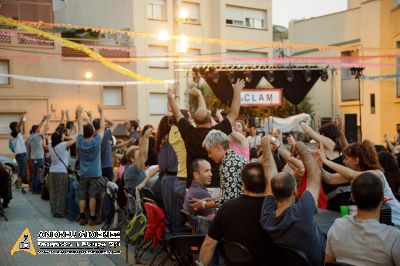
x=184, y=248
x=237, y=254
x=292, y=256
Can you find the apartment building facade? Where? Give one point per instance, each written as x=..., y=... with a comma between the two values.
x=28, y=55
x=371, y=105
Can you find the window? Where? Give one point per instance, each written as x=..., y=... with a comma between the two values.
x=350, y=90
x=398, y=73
x=156, y=9
x=112, y=96
x=158, y=51
x=246, y=17
x=255, y=23
x=372, y=103
x=158, y=104
x=193, y=12
x=4, y=69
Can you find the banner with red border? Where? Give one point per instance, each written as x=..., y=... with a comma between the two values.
x=261, y=97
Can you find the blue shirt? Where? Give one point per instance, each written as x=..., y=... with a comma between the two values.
x=133, y=176
x=295, y=227
x=106, y=149
x=89, y=156
x=197, y=191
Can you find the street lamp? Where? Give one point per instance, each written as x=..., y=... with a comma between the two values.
x=163, y=36
x=88, y=75
x=182, y=15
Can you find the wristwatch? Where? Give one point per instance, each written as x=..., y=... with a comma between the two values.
x=203, y=204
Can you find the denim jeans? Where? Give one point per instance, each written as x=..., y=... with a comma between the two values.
x=37, y=165
x=22, y=165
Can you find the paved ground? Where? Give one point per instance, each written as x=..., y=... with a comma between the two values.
x=28, y=210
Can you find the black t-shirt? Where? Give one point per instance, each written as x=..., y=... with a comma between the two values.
x=193, y=138
x=238, y=220
x=295, y=227
x=340, y=199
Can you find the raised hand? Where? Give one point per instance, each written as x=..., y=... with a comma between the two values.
x=239, y=85
x=291, y=141
x=100, y=108
x=171, y=93
x=79, y=110
x=195, y=92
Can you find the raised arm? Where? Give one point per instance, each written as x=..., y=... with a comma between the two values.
x=143, y=149
x=389, y=144
x=174, y=105
x=62, y=120
x=342, y=136
x=152, y=173
x=108, y=121
x=102, y=122
x=78, y=113
x=343, y=173
x=218, y=114
x=44, y=124
x=21, y=120
x=90, y=116
x=268, y=162
x=240, y=138
x=327, y=142
x=292, y=161
x=333, y=179
x=235, y=106
x=201, y=103
x=312, y=168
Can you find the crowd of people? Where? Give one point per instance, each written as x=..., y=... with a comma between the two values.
x=258, y=191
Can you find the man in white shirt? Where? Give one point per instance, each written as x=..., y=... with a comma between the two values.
x=360, y=239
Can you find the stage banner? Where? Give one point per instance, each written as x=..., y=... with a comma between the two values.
x=261, y=97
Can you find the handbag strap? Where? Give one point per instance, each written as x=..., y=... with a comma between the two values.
x=66, y=167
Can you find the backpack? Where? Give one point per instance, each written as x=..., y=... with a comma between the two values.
x=108, y=206
x=137, y=226
x=11, y=145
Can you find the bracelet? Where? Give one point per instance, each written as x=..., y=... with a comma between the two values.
x=203, y=204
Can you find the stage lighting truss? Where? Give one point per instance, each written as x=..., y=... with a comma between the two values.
x=324, y=75
x=247, y=76
x=307, y=75
x=356, y=72
x=270, y=76
x=289, y=76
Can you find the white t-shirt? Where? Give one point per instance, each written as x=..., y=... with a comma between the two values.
x=254, y=141
x=390, y=199
x=363, y=242
x=56, y=165
x=19, y=144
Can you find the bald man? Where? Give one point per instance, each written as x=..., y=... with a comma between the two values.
x=194, y=136
x=289, y=223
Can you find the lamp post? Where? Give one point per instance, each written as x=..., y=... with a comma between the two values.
x=357, y=73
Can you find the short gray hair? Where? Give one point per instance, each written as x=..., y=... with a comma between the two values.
x=215, y=137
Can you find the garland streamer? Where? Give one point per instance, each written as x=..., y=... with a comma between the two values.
x=81, y=48
x=214, y=40
x=390, y=76
x=75, y=82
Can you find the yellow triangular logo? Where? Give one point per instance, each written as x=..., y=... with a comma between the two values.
x=24, y=243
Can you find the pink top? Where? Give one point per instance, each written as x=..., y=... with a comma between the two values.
x=241, y=150
x=121, y=171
